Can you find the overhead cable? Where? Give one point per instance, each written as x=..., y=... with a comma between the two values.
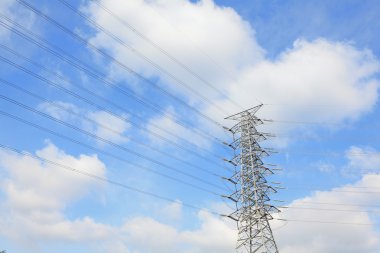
x=145, y=38
x=109, y=57
x=90, y=102
x=105, y=99
x=113, y=144
x=104, y=126
x=103, y=179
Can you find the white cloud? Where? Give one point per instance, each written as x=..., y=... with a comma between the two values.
x=107, y=122
x=318, y=238
x=5, y=8
x=36, y=194
x=172, y=211
x=166, y=126
x=336, y=76
x=362, y=160
x=100, y=123
x=324, y=167
x=316, y=80
x=60, y=110
x=148, y=235
x=213, y=236
x=219, y=31
x=10, y=9
x=310, y=237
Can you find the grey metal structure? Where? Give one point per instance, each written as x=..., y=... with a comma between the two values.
x=251, y=196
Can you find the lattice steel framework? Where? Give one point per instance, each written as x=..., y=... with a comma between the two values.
x=251, y=196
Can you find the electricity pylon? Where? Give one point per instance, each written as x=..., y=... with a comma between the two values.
x=251, y=195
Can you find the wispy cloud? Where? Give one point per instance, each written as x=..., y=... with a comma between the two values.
x=101, y=123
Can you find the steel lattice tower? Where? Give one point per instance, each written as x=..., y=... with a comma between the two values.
x=252, y=189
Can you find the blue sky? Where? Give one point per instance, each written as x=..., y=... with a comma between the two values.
x=139, y=100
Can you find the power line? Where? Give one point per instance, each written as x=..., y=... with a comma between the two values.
x=165, y=198
x=106, y=153
x=103, y=179
x=73, y=61
x=328, y=209
x=376, y=154
x=340, y=137
x=346, y=185
x=108, y=56
x=99, y=76
x=309, y=221
x=145, y=38
x=154, y=195
x=300, y=105
x=329, y=222
x=64, y=58
x=12, y=85
x=336, y=204
x=87, y=101
x=298, y=122
x=342, y=191
x=212, y=60
x=311, y=186
x=122, y=148
x=102, y=98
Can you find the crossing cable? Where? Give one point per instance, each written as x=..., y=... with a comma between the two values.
x=189, y=39
x=319, y=139
x=14, y=86
x=328, y=209
x=154, y=107
x=316, y=123
x=108, y=56
x=73, y=61
x=103, y=179
x=329, y=222
x=94, y=136
x=311, y=187
x=342, y=191
x=82, y=88
x=299, y=122
x=334, y=204
x=26, y=122
x=106, y=180
x=60, y=87
x=141, y=55
x=128, y=69
x=96, y=177
x=93, y=73
x=146, y=39
x=376, y=154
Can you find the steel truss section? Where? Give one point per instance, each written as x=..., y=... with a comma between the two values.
x=252, y=190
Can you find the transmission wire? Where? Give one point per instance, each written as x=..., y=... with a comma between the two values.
x=88, y=91
x=145, y=38
x=104, y=54
x=103, y=179
x=54, y=84
x=14, y=86
x=106, y=141
x=26, y=122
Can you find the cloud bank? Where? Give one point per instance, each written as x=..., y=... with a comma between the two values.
x=36, y=196
x=316, y=80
